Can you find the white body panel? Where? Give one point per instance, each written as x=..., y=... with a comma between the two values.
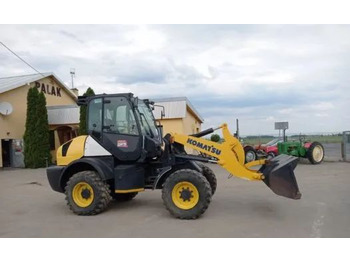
x=92, y=148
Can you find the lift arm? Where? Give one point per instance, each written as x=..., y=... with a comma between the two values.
x=276, y=173
x=230, y=153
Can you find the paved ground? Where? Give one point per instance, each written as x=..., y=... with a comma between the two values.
x=238, y=209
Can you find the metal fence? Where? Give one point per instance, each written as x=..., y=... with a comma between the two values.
x=346, y=146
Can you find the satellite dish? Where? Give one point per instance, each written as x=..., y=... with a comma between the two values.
x=5, y=108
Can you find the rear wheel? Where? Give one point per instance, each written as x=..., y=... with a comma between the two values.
x=186, y=194
x=210, y=176
x=250, y=154
x=315, y=153
x=124, y=197
x=87, y=194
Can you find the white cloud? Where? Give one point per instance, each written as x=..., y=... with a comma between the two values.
x=259, y=74
x=142, y=39
x=322, y=106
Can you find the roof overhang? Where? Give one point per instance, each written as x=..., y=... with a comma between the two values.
x=18, y=81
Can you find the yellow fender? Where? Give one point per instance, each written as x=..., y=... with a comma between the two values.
x=71, y=150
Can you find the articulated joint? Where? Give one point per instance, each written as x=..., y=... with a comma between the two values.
x=258, y=176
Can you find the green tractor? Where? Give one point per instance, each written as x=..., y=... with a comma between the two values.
x=313, y=151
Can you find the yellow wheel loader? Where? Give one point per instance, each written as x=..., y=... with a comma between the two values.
x=125, y=153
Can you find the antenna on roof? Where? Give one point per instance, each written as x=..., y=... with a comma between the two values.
x=72, y=73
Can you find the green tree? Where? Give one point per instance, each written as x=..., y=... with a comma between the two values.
x=215, y=138
x=82, y=122
x=30, y=126
x=42, y=155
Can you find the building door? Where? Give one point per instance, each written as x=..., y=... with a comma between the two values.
x=64, y=134
x=6, y=153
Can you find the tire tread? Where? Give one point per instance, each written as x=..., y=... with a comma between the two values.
x=103, y=193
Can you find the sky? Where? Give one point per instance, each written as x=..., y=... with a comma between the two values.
x=260, y=74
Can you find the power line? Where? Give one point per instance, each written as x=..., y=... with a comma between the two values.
x=21, y=58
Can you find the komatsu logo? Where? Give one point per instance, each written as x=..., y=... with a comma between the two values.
x=203, y=146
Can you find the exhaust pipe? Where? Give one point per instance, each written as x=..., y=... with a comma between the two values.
x=279, y=176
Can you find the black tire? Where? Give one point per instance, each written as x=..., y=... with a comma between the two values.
x=101, y=193
x=200, y=183
x=314, y=157
x=210, y=176
x=124, y=197
x=250, y=154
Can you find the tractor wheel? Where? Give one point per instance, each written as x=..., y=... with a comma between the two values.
x=124, y=197
x=87, y=194
x=250, y=154
x=186, y=194
x=315, y=153
x=210, y=176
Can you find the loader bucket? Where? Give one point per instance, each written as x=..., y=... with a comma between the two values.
x=279, y=176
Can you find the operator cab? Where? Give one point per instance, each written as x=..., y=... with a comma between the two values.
x=124, y=125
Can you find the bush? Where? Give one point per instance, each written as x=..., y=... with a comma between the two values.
x=82, y=122
x=36, y=135
x=215, y=138
x=29, y=134
x=42, y=156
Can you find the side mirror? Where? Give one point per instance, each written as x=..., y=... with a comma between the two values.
x=162, y=111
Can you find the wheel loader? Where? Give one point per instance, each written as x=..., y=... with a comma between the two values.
x=125, y=153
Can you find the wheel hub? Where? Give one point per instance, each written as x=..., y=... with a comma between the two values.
x=86, y=193
x=186, y=194
x=317, y=153
x=250, y=156
x=83, y=194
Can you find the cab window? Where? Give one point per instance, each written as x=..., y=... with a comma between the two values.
x=119, y=117
x=95, y=118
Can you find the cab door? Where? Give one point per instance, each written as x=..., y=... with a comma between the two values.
x=116, y=128
x=120, y=132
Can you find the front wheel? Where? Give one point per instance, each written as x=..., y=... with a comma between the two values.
x=87, y=194
x=250, y=154
x=315, y=153
x=186, y=194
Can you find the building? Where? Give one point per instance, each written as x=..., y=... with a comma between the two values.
x=180, y=116
x=63, y=114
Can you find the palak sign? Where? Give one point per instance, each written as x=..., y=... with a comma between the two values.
x=48, y=89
